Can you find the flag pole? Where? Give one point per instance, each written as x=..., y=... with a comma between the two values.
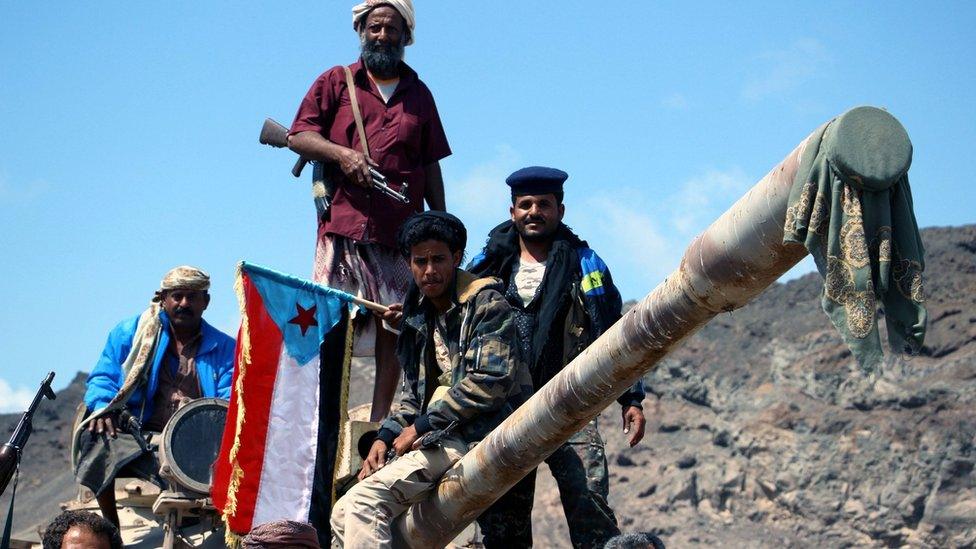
x=371, y=305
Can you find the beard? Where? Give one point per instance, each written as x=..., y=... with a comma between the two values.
x=383, y=60
x=545, y=235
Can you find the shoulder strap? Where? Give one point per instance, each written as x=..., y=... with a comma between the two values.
x=8, y=528
x=351, y=86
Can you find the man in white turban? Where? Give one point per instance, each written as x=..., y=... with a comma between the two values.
x=403, y=7
x=152, y=364
x=375, y=114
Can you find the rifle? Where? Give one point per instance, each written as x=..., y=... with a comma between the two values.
x=430, y=439
x=11, y=451
x=130, y=424
x=323, y=189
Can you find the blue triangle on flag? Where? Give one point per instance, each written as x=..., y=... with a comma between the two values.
x=304, y=311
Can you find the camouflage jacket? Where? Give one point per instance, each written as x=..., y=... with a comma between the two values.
x=590, y=301
x=488, y=379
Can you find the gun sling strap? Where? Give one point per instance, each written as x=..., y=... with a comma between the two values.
x=354, y=102
x=322, y=191
x=5, y=541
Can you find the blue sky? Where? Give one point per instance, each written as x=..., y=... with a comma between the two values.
x=129, y=133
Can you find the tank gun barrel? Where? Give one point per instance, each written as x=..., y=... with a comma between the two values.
x=731, y=262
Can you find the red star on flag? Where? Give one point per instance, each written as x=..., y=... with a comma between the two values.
x=305, y=318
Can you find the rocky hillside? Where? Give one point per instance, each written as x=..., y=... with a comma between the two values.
x=762, y=433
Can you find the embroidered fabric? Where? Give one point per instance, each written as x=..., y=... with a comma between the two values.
x=853, y=212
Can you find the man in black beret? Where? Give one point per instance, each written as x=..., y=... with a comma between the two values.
x=564, y=298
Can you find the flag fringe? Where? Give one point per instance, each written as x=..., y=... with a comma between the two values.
x=237, y=474
x=343, y=402
x=232, y=540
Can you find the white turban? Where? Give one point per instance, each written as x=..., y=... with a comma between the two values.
x=405, y=7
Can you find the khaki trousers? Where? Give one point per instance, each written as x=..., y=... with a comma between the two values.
x=364, y=516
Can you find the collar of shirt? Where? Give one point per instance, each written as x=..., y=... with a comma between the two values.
x=189, y=348
x=432, y=310
x=407, y=76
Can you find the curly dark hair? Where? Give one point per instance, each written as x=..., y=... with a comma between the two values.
x=432, y=225
x=55, y=532
x=639, y=540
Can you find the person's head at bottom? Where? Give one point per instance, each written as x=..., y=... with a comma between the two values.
x=281, y=533
x=433, y=244
x=638, y=540
x=81, y=530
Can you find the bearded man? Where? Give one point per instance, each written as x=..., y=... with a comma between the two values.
x=564, y=298
x=356, y=246
x=152, y=364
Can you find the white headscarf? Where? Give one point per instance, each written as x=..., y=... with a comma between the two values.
x=405, y=7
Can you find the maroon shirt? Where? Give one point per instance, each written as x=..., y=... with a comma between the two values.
x=404, y=136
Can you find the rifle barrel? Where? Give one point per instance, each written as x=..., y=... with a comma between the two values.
x=24, y=427
x=11, y=451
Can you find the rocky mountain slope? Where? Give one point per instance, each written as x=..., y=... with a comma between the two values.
x=761, y=433
x=764, y=434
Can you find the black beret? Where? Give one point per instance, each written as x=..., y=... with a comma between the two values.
x=536, y=180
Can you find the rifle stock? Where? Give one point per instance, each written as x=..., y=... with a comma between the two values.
x=11, y=451
x=275, y=135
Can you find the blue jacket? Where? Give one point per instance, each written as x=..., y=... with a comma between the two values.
x=214, y=363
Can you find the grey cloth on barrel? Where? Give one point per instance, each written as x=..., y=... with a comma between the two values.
x=851, y=206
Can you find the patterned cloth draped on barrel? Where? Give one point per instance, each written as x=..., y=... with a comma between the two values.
x=851, y=207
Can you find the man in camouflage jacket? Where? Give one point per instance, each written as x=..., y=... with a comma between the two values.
x=462, y=376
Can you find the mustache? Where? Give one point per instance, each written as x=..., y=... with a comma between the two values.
x=183, y=311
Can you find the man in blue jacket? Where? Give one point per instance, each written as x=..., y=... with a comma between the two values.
x=151, y=365
x=564, y=298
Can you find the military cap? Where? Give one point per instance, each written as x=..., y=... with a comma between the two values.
x=536, y=180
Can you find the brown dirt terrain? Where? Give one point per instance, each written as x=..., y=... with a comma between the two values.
x=762, y=432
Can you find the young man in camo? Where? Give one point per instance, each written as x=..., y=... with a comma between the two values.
x=462, y=376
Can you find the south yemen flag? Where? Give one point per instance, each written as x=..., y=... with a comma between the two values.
x=287, y=403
